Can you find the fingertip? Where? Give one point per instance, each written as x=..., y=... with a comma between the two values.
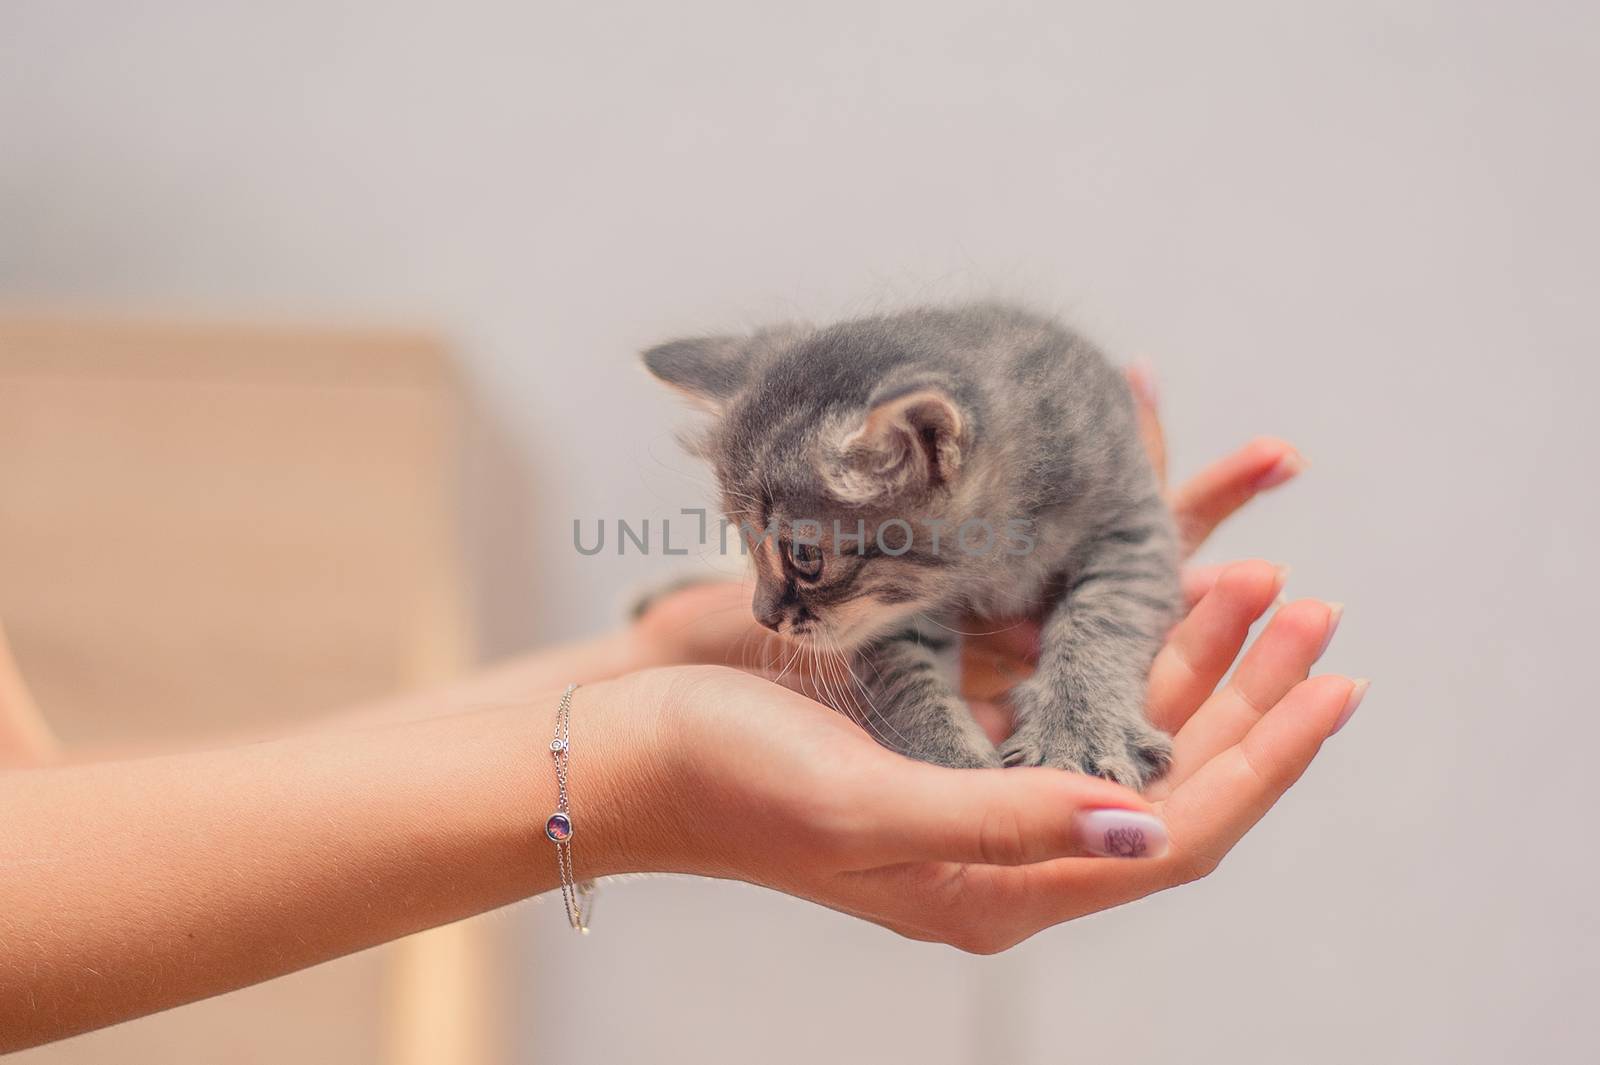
x=1119, y=833
x=1335, y=615
x=1327, y=696
x=1358, y=692
x=1321, y=704
x=1311, y=620
x=1279, y=462
x=1269, y=449
x=1287, y=737
x=1253, y=581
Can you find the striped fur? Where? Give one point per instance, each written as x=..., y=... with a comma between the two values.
x=945, y=420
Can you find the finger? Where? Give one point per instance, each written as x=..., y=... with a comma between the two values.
x=923, y=812
x=988, y=908
x=935, y=902
x=1197, y=581
x=700, y=621
x=1210, y=496
x=983, y=909
x=1146, y=406
x=1293, y=641
x=1205, y=816
x=1197, y=655
x=1210, y=811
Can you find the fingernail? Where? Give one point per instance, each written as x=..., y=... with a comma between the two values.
x=1357, y=693
x=1143, y=379
x=1116, y=833
x=1335, y=612
x=1285, y=468
x=1278, y=585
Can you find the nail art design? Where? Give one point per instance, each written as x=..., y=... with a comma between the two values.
x=1122, y=834
x=1125, y=843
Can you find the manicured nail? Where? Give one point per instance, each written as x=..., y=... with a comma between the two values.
x=1116, y=833
x=1143, y=378
x=1335, y=612
x=1279, y=581
x=1285, y=468
x=1357, y=693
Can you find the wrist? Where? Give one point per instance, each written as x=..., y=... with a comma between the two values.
x=620, y=777
x=639, y=647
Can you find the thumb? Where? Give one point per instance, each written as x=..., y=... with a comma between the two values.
x=922, y=812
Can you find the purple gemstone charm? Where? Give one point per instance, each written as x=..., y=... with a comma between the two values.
x=558, y=827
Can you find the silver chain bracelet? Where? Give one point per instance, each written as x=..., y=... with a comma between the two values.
x=578, y=895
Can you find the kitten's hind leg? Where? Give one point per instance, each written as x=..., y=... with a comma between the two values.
x=1083, y=708
x=912, y=705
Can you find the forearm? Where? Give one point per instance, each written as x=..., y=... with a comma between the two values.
x=508, y=683
x=129, y=887
x=504, y=685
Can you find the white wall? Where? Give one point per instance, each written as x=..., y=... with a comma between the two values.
x=1369, y=227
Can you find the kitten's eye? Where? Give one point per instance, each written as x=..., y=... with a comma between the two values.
x=806, y=560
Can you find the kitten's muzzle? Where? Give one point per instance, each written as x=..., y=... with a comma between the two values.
x=770, y=607
x=773, y=607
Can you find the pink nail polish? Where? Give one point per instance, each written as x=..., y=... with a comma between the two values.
x=1335, y=612
x=1114, y=833
x=1357, y=693
x=1285, y=468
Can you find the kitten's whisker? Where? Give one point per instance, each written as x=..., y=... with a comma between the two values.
x=823, y=683
x=844, y=701
x=747, y=651
x=819, y=678
x=789, y=665
x=863, y=715
x=844, y=660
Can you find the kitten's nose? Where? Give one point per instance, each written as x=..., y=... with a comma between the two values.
x=768, y=608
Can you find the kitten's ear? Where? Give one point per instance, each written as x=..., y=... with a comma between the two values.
x=910, y=439
x=708, y=370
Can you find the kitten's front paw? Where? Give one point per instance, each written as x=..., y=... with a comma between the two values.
x=1118, y=745
x=952, y=750
x=942, y=733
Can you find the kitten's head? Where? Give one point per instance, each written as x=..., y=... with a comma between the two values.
x=837, y=452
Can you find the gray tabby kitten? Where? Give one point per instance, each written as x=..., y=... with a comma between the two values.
x=920, y=430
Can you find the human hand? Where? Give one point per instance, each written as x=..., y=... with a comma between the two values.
x=745, y=780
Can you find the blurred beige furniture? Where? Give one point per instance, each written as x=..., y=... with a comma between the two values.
x=206, y=530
